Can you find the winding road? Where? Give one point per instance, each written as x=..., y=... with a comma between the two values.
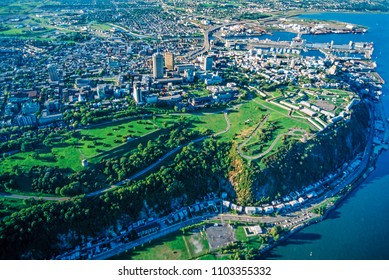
x=140, y=173
x=36, y=197
x=228, y=125
x=252, y=134
x=291, y=132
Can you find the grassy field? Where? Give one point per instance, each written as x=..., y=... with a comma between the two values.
x=175, y=246
x=214, y=122
x=197, y=121
x=108, y=136
x=101, y=26
x=99, y=142
x=243, y=120
x=9, y=206
x=251, y=241
x=197, y=243
x=169, y=247
x=279, y=117
x=179, y=246
x=17, y=7
x=105, y=141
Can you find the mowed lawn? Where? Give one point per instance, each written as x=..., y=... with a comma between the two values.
x=87, y=144
x=197, y=121
x=103, y=138
x=246, y=117
x=174, y=246
x=169, y=247
x=66, y=157
x=243, y=120
x=214, y=122
x=106, y=141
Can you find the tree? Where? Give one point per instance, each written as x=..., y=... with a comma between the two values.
x=26, y=146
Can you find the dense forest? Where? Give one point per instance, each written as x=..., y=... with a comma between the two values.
x=298, y=164
x=207, y=166
x=33, y=232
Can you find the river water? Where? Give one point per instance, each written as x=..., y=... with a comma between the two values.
x=359, y=228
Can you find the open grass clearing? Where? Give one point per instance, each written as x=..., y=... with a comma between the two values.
x=104, y=141
x=169, y=247
x=197, y=121
x=10, y=205
x=196, y=242
x=284, y=125
x=67, y=157
x=101, y=26
x=243, y=120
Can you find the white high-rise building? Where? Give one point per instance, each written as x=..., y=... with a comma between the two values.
x=157, y=66
x=137, y=93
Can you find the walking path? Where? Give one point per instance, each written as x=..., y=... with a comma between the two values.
x=36, y=197
x=291, y=132
x=140, y=173
x=252, y=134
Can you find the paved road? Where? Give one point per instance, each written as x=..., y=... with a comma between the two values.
x=296, y=217
x=159, y=161
x=291, y=220
x=252, y=134
x=228, y=125
x=272, y=144
x=140, y=173
x=18, y=196
x=130, y=32
x=206, y=45
x=138, y=242
x=282, y=219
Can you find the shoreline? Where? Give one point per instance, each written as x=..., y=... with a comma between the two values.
x=355, y=184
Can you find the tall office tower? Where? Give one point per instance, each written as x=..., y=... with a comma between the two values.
x=169, y=60
x=53, y=73
x=157, y=66
x=137, y=93
x=208, y=63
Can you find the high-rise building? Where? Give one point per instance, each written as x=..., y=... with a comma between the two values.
x=53, y=73
x=137, y=93
x=169, y=60
x=101, y=91
x=157, y=66
x=208, y=60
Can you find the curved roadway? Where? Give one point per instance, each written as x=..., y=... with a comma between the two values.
x=140, y=173
x=252, y=134
x=271, y=146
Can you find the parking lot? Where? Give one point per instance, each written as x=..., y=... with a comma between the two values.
x=219, y=236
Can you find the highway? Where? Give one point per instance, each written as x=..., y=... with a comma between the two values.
x=206, y=45
x=290, y=220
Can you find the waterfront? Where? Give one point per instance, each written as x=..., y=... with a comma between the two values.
x=359, y=227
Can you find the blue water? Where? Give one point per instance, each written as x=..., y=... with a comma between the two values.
x=359, y=227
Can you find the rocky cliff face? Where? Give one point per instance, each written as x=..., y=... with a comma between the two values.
x=300, y=164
